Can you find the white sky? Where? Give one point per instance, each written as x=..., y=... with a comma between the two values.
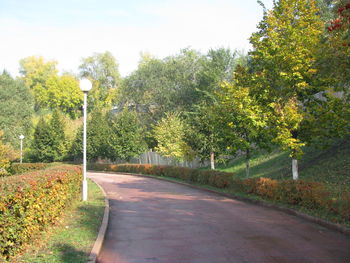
x=68, y=30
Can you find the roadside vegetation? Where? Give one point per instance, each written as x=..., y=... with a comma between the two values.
x=329, y=166
x=289, y=92
x=72, y=237
x=42, y=217
x=32, y=201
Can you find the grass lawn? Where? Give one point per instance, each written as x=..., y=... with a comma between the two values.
x=330, y=166
x=71, y=240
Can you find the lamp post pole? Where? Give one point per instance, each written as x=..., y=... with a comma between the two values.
x=21, y=137
x=84, y=153
x=85, y=86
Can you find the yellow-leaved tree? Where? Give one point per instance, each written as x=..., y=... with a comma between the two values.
x=284, y=62
x=170, y=133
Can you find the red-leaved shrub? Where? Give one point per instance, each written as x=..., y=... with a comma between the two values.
x=31, y=201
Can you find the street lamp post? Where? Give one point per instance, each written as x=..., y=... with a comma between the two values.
x=21, y=137
x=85, y=86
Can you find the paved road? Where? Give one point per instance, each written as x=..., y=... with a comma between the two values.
x=157, y=221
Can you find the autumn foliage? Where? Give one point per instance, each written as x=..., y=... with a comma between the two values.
x=338, y=28
x=30, y=202
x=342, y=19
x=215, y=178
x=19, y=168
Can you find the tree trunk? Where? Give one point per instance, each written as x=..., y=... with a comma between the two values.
x=212, y=160
x=295, y=169
x=247, y=162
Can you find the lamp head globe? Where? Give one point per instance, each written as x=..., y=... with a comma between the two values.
x=85, y=85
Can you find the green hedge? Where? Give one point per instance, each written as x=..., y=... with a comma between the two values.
x=19, y=168
x=311, y=195
x=31, y=201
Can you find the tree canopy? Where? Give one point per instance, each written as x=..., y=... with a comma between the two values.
x=16, y=109
x=103, y=70
x=48, y=88
x=290, y=90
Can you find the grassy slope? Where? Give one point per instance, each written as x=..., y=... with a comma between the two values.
x=330, y=166
x=73, y=237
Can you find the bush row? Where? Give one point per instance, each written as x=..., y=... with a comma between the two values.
x=19, y=168
x=311, y=195
x=29, y=202
x=214, y=178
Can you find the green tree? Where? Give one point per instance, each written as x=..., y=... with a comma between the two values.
x=98, y=136
x=16, y=109
x=62, y=93
x=41, y=149
x=170, y=133
x=164, y=85
x=243, y=121
x=218, y=66
x=102, y=69
x=49, y=89
x=111, y=136
x=58, y=138
x=126, y=139
x=49, y=140
x=145, y=91
x=205, y=135
x=284, y=59
x=206, y=139
x=35, y=72
x=143, y=86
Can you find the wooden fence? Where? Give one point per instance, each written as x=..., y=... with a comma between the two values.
x=156, y=159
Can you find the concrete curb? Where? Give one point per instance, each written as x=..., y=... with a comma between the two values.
x=319, y=221
x=102, y=232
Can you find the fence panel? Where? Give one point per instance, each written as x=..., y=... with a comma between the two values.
x=157, y=159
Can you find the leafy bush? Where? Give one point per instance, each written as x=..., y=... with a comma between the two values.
x=19, y=168
x=213, y=178
x=311, y=195
x=31, y=201
x=307, y=194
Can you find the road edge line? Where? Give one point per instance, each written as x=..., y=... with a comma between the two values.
x=95, y=251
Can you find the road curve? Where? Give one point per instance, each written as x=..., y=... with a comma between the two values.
x=158, y=221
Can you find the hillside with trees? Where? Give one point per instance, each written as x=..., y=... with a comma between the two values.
x=290, y=91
